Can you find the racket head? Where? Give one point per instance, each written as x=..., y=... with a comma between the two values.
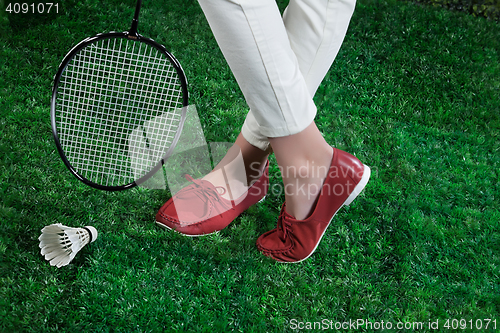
x=111, y=97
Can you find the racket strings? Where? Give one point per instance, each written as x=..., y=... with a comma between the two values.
x=118, y=106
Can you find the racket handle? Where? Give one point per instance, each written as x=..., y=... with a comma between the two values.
x=133, y=29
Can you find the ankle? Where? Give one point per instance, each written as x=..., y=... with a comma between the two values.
x=303, y=183
x=307, y=168
x=255, y=170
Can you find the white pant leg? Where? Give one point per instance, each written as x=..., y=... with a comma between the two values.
x=316, y=30
x=262, y=56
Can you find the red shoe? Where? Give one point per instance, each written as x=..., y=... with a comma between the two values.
x=200, y=210
x=295, y=240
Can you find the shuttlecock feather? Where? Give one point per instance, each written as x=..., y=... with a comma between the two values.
x=60, y=243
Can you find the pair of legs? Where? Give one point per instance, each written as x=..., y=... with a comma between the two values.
x=279, y=63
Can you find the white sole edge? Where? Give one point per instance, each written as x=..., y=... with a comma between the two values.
x=361, y=185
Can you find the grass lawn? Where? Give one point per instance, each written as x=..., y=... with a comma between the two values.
x=414, y=93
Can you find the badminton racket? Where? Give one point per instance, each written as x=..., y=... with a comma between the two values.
x=118, y=106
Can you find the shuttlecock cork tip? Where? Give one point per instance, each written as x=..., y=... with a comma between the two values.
x=93, y=233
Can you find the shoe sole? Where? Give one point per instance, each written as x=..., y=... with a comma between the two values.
x=168, y=228
x=180, y=233
x=357, y=190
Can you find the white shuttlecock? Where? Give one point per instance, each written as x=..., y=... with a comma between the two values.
x=60, y=243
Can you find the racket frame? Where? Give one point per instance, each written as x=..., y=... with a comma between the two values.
x=131, y=35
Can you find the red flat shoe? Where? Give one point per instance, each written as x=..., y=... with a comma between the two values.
x=295, y=240
x=200, y=210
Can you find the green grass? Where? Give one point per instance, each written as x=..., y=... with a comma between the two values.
x=484, y=8
x=414, y=93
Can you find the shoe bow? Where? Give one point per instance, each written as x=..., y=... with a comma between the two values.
x=207, y=192
x=284, y=226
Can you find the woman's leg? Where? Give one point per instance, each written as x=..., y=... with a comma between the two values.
x=316, y=30
x=304, y=160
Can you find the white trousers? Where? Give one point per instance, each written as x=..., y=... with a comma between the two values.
x=278, y=62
